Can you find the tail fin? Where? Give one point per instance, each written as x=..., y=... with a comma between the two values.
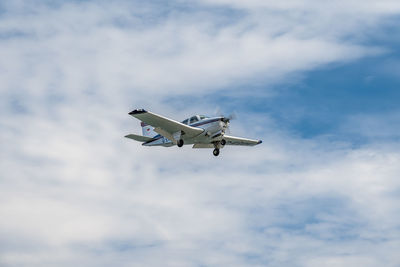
x=147, y=130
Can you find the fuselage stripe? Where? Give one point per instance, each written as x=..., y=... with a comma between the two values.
x=203, y=122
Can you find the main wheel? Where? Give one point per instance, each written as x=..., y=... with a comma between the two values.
x=216, y=152
x=180, y=143
x=223, y=142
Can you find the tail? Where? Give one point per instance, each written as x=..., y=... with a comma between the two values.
x=148, y=130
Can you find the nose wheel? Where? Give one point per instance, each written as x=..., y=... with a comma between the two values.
x=216, y=152
x=180, y=143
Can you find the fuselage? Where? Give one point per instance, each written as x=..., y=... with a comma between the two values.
x=213, y=130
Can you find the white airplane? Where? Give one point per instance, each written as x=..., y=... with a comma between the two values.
x=199, y=131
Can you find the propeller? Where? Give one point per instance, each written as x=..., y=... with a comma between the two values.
x=231, y=116
x=218, y=113
x=225, y=119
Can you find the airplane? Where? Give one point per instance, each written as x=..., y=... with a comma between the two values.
x=199, y=130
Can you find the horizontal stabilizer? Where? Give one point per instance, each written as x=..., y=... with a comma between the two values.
x=139, y=137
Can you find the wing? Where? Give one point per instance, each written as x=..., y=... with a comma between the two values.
x=165, y=126
x=239, y=141
x=139, y=138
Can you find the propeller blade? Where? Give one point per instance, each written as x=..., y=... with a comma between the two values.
x=228, y=130
x=218, y=112
x=233, y=116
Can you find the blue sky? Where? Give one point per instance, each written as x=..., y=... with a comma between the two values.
x=317, y=81
x=319, y=102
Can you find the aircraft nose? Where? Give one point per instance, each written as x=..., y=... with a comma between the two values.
x=224, y=123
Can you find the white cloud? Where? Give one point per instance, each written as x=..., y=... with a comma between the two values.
x=74, y=192
x=75, y=47
x=112, y=200
x=338, y=6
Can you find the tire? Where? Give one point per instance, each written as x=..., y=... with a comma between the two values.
x=223, y=142
x=180, y=143
x=216, y=152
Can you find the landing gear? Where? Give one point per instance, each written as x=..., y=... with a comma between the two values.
x=223, y=142
x=216, y=152
x=180, y=143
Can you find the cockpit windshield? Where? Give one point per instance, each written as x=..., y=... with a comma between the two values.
x=202, y=117
x=194, y=119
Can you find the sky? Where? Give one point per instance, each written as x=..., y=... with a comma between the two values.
x=317, y=81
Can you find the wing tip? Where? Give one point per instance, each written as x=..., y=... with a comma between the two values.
x=259, y=142
x=137, y=111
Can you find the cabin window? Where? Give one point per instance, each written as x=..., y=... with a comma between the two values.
x=193, y=119
x=186, y=121
x=202, y=117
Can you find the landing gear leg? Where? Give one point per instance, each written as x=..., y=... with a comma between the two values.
x=180, y=143
x=216, y=152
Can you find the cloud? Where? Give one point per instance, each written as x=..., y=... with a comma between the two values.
x=73, y=191
x=82, y=46
x=291, y=203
